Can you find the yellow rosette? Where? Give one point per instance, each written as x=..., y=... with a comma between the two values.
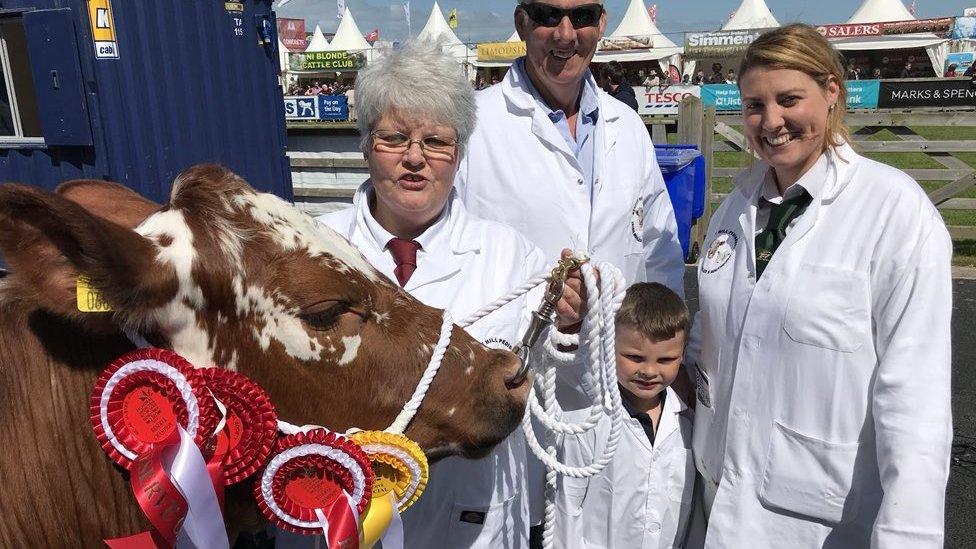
x=400, y=469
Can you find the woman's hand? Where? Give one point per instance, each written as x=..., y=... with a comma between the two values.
x=571, y=307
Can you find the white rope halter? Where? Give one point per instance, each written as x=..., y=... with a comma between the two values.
x=600, y=381
x=598, y=325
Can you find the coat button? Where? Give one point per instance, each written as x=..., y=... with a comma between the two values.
x=579, y=181
x=653, y=527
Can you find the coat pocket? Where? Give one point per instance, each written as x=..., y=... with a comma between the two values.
x=484, y=526
x=570, y=495
x=829, y=309
x=809, y=476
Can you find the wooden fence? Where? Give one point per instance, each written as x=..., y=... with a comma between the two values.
x=322, y=182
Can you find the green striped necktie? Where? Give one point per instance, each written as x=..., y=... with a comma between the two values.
x=780, y=216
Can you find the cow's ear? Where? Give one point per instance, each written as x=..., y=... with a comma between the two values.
x=109, y=200
x=49, y=240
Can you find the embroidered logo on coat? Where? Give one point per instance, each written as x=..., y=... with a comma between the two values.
x=701, y=387
x=719, y=251
x=497, y=343
x=637, y=220
x=473, y=517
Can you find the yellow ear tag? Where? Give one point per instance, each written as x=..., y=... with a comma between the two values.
x=88, y=298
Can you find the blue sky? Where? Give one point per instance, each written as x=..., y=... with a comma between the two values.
x=487, y=20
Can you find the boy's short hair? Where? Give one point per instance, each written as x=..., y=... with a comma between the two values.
x=654, y=310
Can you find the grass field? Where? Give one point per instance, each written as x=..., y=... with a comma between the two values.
x=965, y=250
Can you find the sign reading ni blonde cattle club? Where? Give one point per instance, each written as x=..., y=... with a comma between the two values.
x=500, y=51
x=327, y=61
x=700, y=45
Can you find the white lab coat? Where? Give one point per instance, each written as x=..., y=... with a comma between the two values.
x=519, y=170
x=468, y=263
x=641, y=499
x=823, y=417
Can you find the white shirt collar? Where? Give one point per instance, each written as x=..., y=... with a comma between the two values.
x=382, y=237
x=812, y=181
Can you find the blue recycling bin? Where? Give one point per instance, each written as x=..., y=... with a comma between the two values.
x=683, y=167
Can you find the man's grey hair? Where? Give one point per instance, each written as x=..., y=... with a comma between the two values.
x=418, y=81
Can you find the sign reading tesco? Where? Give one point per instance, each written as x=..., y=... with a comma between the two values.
x=663, y=99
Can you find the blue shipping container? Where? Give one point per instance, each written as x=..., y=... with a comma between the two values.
x=135, y=92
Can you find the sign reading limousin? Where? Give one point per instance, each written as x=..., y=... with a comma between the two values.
x=327, y=61
x=500, y=51
x=718, y=44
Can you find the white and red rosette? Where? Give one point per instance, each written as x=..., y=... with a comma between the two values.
x=141, y=398
x=251, y=425
x=314, y=474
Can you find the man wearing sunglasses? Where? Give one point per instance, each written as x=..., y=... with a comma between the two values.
x=566, y=164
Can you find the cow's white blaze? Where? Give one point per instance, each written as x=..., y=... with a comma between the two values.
x=293, y=230
x=351, y=344
x=177, y=319
x=274, y=320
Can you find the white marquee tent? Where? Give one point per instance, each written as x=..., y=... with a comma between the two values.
x=439, y=32
x=880, y=11
x=318, y=41
x=348, y=36
x=751, y=14
x=637, y=23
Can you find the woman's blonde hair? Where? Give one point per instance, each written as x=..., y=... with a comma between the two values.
x=802, y=48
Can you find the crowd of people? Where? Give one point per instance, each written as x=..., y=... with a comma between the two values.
x=320, y=88
x=807, y=403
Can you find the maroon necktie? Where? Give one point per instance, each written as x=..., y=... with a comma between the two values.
x=405, y=256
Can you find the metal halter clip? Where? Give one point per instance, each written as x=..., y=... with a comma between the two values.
x=543, y=318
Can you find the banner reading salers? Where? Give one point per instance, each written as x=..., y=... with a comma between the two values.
x=699, y=45
x=500, y=51
x=327, y=61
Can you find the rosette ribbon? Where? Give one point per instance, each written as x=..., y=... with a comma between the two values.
x=151, y=414
x=318, y=482
x=401, y=470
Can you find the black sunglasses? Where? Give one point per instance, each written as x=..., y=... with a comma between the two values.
x=546, y=15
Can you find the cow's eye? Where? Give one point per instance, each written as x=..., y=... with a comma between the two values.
x=324, y=315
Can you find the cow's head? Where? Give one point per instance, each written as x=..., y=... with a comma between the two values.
x=228, y=276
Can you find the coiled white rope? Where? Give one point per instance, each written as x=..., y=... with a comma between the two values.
x=599, y=382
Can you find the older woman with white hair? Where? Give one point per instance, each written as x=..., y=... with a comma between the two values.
x=415, y=113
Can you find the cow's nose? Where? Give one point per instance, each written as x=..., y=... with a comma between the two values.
x=512, y=367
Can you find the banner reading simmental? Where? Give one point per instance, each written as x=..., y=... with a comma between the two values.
x=500, y=51
x=327, y=61
x=700, y=45
x=292, y=33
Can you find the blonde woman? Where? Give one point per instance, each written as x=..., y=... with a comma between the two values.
x=822, y=344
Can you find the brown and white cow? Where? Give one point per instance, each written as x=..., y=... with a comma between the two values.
x=225, y=276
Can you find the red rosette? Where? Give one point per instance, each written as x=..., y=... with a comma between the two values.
x=251, y=427
x=294, y=486
x=145, y=400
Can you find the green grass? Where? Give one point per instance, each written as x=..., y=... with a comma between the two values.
x=964, y=253
x=906, y=161
x=959, y=217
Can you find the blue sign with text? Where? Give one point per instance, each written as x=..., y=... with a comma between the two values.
x=861, y=94
x=333, y=107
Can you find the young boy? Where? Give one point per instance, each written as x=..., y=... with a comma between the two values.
x=643, y=498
